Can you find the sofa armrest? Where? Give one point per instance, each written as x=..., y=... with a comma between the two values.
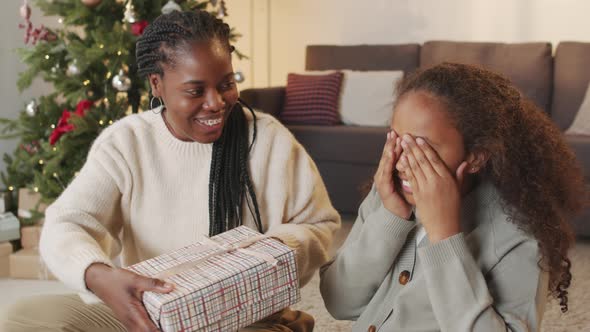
x=268, y=100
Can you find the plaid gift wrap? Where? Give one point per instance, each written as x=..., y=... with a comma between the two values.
x=219, y=287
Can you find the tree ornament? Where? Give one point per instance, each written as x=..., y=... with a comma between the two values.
x=25, y=10
x=31, y=148
x=121, y=81
x=32, y=33
x=138, y=27
x=129, y=16
x=239, y=76
x=73, y=69
x=170, y=6
x=31, y=108
x=91, y=3
x=222, y=10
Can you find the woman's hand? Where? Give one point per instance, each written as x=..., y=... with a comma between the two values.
x=435, y=189
x=122, y=291
x=384, y=179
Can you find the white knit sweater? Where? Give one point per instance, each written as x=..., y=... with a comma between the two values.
x=143, y=192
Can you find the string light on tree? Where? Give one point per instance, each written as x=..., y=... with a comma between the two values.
x=55, y=69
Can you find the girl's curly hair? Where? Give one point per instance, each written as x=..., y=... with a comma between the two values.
x=535, y=171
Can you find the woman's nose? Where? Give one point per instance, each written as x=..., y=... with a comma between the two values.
x=214, y=101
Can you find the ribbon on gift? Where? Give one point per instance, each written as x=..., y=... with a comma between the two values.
x=209, y=244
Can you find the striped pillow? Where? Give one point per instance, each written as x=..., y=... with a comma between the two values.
x=312, y=99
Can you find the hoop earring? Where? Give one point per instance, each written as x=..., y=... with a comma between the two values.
x=160, y=103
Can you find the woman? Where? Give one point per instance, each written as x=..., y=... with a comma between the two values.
x=160, y=180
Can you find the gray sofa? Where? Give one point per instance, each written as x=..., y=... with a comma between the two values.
x=347, y=156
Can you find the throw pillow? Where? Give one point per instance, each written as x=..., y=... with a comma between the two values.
x=368, y=96
x=581, y=124
x=312, y=99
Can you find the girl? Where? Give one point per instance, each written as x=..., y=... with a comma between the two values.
x=466, y=226
x=153, y=182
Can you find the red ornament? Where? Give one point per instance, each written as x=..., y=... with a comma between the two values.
x=138, y=27
x=64, y=125
x=83, y=106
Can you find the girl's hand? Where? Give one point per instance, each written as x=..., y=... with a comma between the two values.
x=384, y=180
x=435, y=189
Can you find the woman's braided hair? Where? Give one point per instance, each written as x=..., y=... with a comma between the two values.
x=230, y=185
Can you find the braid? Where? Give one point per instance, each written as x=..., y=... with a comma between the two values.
x=162, y=40
x=230, y=184
x=229, y=181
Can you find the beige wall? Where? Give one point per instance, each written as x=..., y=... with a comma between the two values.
x=297, y=23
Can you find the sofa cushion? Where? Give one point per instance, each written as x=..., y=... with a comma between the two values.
x=528, y=65
x=347, y=183
x=312, y=99
x=581, y=123
x=348, y=144
x=581, y=146
x=571, y=79
x=368, y=97
x=363, y=57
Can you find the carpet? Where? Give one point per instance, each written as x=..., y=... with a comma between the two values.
x=577, y=319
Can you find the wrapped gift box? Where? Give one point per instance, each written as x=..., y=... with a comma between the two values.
x=9, y=227
x=219, y=287
x=29, y=236
x=5, y=251
x=29, y=201
x=27, y=264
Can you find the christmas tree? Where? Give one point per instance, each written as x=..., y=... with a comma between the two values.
x=90, y=60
